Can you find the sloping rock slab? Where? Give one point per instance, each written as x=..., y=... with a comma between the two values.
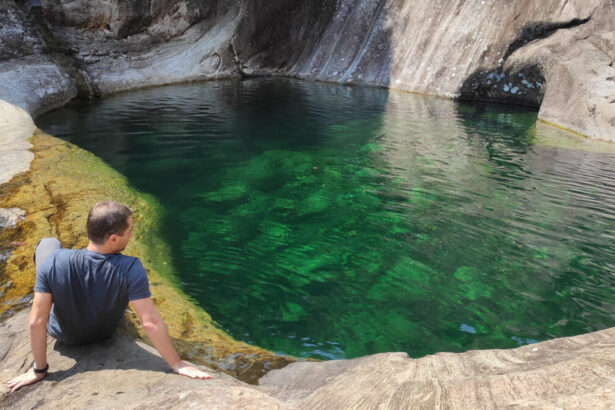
x=575, y=372
x=118, y=373
x=16, y=127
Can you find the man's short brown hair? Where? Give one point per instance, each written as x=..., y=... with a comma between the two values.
x=105, y=219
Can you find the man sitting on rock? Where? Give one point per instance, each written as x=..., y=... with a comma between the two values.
x=80, y=295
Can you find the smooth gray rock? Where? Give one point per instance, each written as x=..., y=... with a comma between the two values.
x=29, y=78
x=138, y=44
x=576, y=372
x=16, y=126
x=118, y=373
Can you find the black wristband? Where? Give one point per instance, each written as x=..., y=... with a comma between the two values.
x=41, y=371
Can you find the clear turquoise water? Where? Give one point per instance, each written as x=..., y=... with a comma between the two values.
x=326, y=221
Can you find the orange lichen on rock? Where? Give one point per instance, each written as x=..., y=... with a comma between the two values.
x=63, y=183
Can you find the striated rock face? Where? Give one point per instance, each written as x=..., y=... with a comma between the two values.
x=556, y=54
x=574, y=372
x=29, y=78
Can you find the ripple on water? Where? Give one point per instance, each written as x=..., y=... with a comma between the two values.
x=328, y=221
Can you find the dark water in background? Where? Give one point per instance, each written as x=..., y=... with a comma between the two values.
x=326, y=221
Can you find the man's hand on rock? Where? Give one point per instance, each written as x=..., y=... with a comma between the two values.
x=25, y=379
x=188, y=370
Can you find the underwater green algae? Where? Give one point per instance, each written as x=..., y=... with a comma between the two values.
x=327, y=221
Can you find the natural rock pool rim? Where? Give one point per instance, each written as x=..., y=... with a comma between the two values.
x=483, y=299
x=56, y=194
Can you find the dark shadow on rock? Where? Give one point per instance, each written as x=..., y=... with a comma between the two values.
x=338, y=41
x=275, y=34
x=118, y=352
x=247, y=367
x=540, y=30
x=522, y=85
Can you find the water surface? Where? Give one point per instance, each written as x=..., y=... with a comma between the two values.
x=327, y=221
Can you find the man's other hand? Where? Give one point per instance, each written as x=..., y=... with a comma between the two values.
x=25, y=379
x=188, y=370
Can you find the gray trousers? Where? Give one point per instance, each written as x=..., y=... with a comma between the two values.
x=45, y=247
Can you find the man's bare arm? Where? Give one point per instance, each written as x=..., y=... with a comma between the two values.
x=39, y=314
x=157, y=332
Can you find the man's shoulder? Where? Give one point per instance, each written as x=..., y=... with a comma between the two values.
x=62, y=254
x=58, y=260
x=126, y=258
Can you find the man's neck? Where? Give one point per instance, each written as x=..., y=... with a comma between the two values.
x=99, y=248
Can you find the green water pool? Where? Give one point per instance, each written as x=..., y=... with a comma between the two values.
x=326, y=221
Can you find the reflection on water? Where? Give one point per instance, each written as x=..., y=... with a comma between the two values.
x=328, y=221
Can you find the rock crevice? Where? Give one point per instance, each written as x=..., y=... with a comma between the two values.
x=540, y=30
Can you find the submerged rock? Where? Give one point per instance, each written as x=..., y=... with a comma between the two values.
x=10, y=216
x=555, y=55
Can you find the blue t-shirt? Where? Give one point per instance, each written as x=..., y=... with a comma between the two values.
x=90, y=292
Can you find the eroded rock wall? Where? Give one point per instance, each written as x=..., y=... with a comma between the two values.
x=29, y=78
x=555, y=54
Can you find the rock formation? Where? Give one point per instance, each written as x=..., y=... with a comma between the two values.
x=118, y=373
x=574, y=372
x=557, y=55
x=16, y=126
